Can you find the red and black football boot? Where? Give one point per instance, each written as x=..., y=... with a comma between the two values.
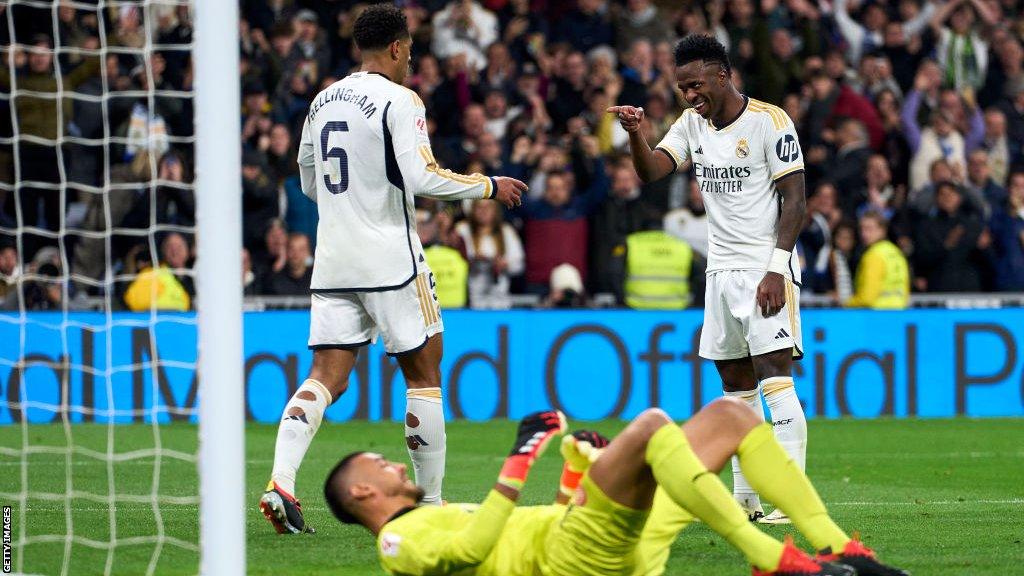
x=796, y=562
x=283, y=511
x=861, y=558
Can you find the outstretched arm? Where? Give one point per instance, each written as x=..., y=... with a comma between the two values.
x=473, y=543
x=651, y=165
x=908, y=115
x=917, y=24
x=478, y=538
x=419, y=171
x=850, y=29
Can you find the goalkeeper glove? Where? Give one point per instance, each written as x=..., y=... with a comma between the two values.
x=580, y=449
x=535, y=432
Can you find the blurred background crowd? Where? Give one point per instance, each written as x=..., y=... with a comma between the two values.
x=910, y=114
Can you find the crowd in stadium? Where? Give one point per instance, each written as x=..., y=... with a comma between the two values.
x=910, y=114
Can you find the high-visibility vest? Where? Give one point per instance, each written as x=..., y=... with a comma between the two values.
x=657, y=271
x=895, y=289
x=451, y=273
x=169, y=293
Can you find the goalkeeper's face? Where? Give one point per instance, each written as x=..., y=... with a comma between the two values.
x=389, y=478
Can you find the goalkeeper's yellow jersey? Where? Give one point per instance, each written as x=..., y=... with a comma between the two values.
x=494, y=538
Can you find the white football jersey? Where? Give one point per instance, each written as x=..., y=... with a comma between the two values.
x=363, y=156
x=737, y=167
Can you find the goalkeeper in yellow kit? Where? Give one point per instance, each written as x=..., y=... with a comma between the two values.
x=625, y=511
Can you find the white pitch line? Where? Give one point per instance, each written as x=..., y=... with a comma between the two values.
x=147, y=460
x=929, y=503
x=191, y=507
x=927, y=455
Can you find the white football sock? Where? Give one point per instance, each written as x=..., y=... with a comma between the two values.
x=425, y=438
x=788, y=418
x=300, y=421
x=741, y=490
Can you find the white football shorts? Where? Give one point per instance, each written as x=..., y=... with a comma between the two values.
x=406, y=317
x=733, y=324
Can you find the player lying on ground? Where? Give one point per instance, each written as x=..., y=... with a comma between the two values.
x=628, y=508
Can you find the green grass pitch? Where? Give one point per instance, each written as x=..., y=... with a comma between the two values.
x=935, y=496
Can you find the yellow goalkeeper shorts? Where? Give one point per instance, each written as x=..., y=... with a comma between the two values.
x=596, y=537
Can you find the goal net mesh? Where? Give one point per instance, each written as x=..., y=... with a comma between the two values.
x=98, y=440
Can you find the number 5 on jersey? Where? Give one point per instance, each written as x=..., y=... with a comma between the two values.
x=336, y=152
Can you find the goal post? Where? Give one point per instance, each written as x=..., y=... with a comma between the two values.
x=219, y=289
x=105, y=390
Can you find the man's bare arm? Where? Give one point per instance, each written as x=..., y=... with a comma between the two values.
x=651, y=165
x=794, y=207
x=771, y=292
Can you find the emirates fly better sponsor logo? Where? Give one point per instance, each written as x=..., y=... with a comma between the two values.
x=721, y=179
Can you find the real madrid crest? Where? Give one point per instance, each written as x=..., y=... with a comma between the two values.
x=742, y=149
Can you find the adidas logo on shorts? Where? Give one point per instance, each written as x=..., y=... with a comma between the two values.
x=782, y=334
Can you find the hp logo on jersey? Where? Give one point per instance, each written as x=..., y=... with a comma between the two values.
x=787, y=148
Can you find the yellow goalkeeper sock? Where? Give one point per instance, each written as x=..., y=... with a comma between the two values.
x=778, y=479
x=682, y=475
x=666, y=521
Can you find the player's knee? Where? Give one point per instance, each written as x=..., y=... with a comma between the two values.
x=650, y=421
x=336, y=386
x=332, y=378
x=736, y=411
x=428, y=379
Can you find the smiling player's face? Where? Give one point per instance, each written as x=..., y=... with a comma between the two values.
x=703, y=86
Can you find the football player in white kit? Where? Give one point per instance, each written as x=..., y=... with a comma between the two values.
x=363, y=156
x=747, y=161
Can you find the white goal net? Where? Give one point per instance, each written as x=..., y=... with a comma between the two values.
x=100, y=423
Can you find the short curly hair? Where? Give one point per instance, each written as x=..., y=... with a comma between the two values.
x=335, y=490
x=704, y=48
x=378, y=26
